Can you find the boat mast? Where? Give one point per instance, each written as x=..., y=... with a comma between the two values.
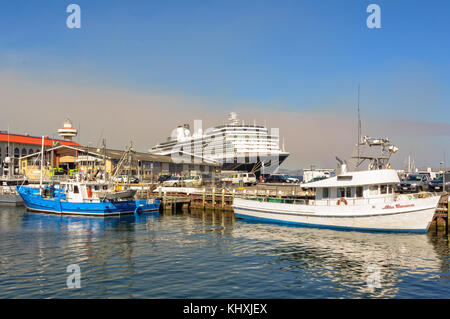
x=42, y=161
x=129, y=161
x=10, y=160
x=359, y=126
x=9, y=149
x=104, y=158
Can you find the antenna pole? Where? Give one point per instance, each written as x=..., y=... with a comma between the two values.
x=359, y=124
x=42, y=163
x=9, y=149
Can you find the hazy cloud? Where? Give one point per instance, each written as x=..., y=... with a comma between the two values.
x=120, y=115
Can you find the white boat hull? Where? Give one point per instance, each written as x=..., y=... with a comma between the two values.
x=407, y=216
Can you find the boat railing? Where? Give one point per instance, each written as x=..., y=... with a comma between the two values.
x=283, y=200
x=7, y=190
x=339, y=201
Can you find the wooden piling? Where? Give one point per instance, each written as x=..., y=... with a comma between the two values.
x=223, y=198
x=204, y=198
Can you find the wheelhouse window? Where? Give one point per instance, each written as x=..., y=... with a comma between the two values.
x=383, y=189
x=348, y=192
x=373, y=190
x=359, y=191
x=75, y=190
x=341, y=192
x=325, y=192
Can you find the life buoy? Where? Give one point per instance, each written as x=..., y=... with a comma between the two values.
x=89, y=192
x=342, y=199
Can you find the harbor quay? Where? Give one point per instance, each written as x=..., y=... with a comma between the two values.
x=220, y=199
x=204, y=182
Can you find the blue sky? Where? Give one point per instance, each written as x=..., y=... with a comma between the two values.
x=303, y=56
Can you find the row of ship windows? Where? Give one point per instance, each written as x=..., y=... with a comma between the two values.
x=215, y=144
x=249, y=129
x=252, y=136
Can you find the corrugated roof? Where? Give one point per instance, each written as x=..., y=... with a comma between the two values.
x=117, y=154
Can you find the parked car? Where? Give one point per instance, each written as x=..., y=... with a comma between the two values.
x=164, y=178
x=120, y=179
x=173, y=181
x=414, y=183
x=133, y=179
x=298, y=179
x=437, y=184
x=293, y=179
x=192, y=181
x=243, y=178
x=277, y=178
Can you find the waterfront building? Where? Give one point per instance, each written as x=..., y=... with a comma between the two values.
x=65, y=160
x=15, y=146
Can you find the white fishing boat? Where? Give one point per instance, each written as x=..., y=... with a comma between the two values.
x=353, y=199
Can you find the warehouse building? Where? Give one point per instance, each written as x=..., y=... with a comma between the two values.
x=65, y=160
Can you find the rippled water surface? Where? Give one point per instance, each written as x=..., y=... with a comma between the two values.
x=212, y=255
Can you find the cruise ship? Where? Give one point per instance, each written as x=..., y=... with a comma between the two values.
x=235, y=146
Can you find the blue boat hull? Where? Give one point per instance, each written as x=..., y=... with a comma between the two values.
x=34, y=201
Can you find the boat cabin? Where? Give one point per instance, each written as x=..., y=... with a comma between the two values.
x=355, y=185
x=82, y=191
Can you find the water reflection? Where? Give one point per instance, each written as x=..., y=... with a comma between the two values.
x=345, y=260
x=207, y=254
x=38, y=247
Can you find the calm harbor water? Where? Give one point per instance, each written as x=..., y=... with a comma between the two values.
x=212, y=255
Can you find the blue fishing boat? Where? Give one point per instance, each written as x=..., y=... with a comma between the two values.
x=82, y=198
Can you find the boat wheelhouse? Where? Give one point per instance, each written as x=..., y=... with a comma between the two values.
x=356, y=187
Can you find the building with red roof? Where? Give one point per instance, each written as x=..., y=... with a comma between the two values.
x=17, y=145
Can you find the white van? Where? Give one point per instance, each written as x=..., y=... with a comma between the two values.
x=241, y=178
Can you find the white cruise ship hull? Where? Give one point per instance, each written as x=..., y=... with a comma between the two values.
x=398, y=216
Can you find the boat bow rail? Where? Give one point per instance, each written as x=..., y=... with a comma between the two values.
x=335, y=202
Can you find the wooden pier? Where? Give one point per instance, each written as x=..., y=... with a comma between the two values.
x=440, y=219
x=173, y=202
x=212, y=198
